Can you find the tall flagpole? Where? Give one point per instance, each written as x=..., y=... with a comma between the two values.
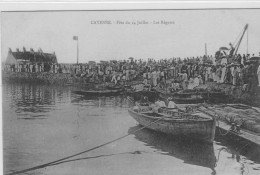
x=206, y=52
x=78, y=51
x=77, y=38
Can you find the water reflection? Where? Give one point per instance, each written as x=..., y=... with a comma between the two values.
x=77, y=121
x=191, y=152
x=31, y=101
x=112, y=101
x=234, y=156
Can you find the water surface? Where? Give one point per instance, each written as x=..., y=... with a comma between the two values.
x=44, y=123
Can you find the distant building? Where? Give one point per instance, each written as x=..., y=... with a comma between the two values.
x=30, y=57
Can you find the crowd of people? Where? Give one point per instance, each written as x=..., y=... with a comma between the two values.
x=185, y=73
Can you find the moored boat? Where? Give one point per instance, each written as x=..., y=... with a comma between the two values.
x=137, y=95
x=182, y=97
x=100, y=92
x=192, y=96
x=197, y=126
x=190, y=151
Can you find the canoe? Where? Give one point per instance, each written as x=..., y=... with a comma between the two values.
x=102, y=92
x=197, y=126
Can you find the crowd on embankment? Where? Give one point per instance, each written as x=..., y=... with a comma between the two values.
x=187, y=72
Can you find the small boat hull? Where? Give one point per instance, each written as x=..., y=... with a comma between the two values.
x=100, y=92
x=203, y=130
x=181, y=100
x=136, y=95
x=192, y=96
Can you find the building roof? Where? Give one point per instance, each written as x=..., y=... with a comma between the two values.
x=32, y=57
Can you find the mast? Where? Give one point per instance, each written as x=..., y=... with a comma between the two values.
x=247, y=42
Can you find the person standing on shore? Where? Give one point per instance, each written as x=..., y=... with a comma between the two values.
x=149, y=75
x=171, y=104
x=154, y=78
x=258, y=75
x=251, y=78
x=127, y=74
x=223, y=74
x=196, y=81
x=114, y=77
x=185, y=81
x=235, y=76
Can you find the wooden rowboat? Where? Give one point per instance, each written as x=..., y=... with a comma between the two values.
x=137, y=95
x=101, y=92
x=181, y=97
x=192, y=96
x=197, y=126
x=190, y=151
x=181, y=100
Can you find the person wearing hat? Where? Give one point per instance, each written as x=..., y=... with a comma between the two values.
x=171, y=104
x=196, y=81
x=159, y=103
x=144, y=101
x=145, y=82
x=175, y=85
x=184, y=79
x=223, y=74
x=258, y=74
x=200, y=79
x=218, y=74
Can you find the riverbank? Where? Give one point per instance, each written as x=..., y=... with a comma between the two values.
x=236, y=94
x=41, y=77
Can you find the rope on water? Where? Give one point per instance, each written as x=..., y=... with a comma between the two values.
x=91, y=149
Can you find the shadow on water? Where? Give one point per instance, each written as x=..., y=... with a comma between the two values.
x=190, y=151
x=238, y=147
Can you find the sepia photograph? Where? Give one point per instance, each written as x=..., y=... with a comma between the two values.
x=130, y=91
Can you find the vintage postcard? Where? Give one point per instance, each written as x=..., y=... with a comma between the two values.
x=130, y=88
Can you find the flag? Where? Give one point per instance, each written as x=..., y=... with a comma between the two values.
x=75, y=37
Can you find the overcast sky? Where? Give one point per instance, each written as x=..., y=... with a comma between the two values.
x=54, y=31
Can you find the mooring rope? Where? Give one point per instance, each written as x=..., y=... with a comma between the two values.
x=221, y=131
x=91, y=149
x=129, y=98
x=217, y=119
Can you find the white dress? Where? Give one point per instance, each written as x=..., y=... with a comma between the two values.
x=171, y=104
x=223, y=74
x=258, y=75
x=196, y=82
